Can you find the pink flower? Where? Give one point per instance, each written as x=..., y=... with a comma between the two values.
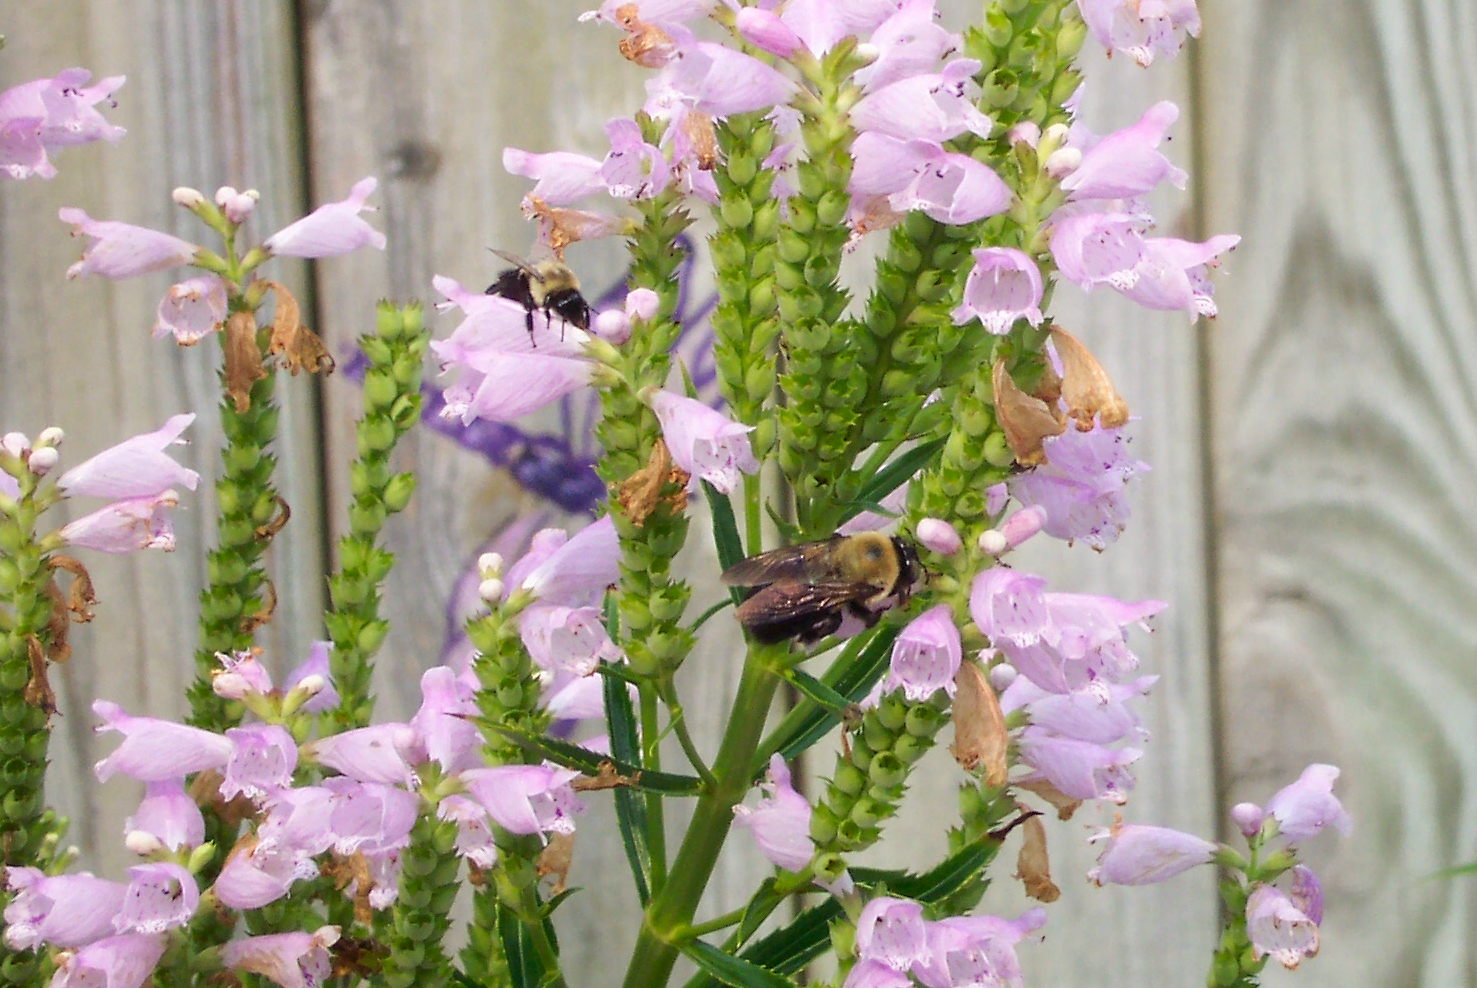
x=1141, y=855
x=765, y=30
x=937, y=535
x=892, y=932
x=526, y=799
x=1010, y=607
x=875, y=974
x=122, y=250
x=566, y=640
x=123, y=961
x=1305, y=807
x=292, y=960
x=368, y=754
x=633, y=169
x=577, y=570
x=1125, y=163
x=241, y=675
x=560, y=177
x=369, y=816
x=125, y=526
x=1099, y=712
x=443, y=733
x=192, y=310
x=1141, y=29
x=1096, y=248
x=157, y=750
x=473, y=834
x=1004, y=285
x=59, y=910
x=781, y=822
x=717, y=81
x=976, y=950
x=1081, y=485
x=259, y=873
x=932, y=106
x=1277, y=927
x=908, y=43
x=656, y=11
x=262, y=760
x=315, y=665
x=704, y=442
x=332, y=229
x=1171, y=274
x=168, y=815
x=1079, y=769
x=43, y=115
x=136, y=467
x=161, y=896
x=925, y=656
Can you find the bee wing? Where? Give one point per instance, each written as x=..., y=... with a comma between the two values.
x=518, y=263
x=803, y=563
x=780, y=602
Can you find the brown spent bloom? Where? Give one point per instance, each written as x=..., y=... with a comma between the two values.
x=645, y=44
x=1064, y=805
x=555, y=859
x=640, y=494
x=980, y=736
x=1086, y=388
x=243, y=359
x=299, y=347
x=1032, y=866
x=37, y=691
x=1026, y=420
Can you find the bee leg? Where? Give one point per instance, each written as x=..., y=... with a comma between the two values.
x=528, y=323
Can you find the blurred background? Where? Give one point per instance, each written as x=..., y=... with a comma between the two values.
x=1311, y=516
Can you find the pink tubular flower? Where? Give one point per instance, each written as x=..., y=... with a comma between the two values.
x=125, y=526
x=1079, y=769
x=1142, y=855
x=332, y=229
x=1171, y=275
x=43, y=115
x=258, y=873
x=192, y=310
x=136, y=467
x=925, y=656
x=526, y=799
x=123, y=961
x=262, y=760
x=908, y=43
x=168, y=815
x=781, y=822
x=937, y=535
x=892, y=932
x=715, y=80
x=1126, y=163
x=976, y=950
x=60, y=910
x=560, y=177
x=1141, y=29
x=157, y=750
x=633, y=169
x=368, y=754
x=473, y=834
x=577, y=570
x=315, y=665
x=1081, y=485
x=441, y=728
x=369, y=816
x=161, y=896
x=704, y=442
x=1098, y=713
x=931, y=107
x=1305, y=807
x=765, y=30
x=240, y=675
x=1010, y=607
x=1004, y=285
x=122, y=250
x=1277, y=927
x=292, y=960
x=875, y=974
x=1098, y=248
x=566, y=639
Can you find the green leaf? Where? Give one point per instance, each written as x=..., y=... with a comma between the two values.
x=524, y=968
x=588, y=762
x=730, y=970
x=852, y=676
x=725, y=533
x=630, y=808
x=764, y=902
x=892, y=476
x=819, y=693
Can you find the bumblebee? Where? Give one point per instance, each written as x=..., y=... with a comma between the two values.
x=547, y=285
x=836, y=586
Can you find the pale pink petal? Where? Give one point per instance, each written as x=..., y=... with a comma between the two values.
x=332, y=229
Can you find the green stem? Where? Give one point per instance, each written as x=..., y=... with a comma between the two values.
x=753, y=514
x=671, y=910
x=656, y=825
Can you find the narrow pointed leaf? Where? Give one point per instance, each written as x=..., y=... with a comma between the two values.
x=725, y=533
x=588, y=762
x=630, y=808
x=892, y=476
x=730, y=970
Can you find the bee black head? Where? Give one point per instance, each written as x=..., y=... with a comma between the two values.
x=910, y=570
x=571, y=306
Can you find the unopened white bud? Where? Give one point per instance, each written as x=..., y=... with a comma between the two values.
x=15, y=443
x=992, y=543
x=142, y=843
x=490, y=590
x=187, y=197
x=1002, y=675
x=310, y=685
x=225, y=194
x=1056, y=133
x=490, y=564
x=240, y=206
x=866, y=53
x=1063, y=162
x=613, y=326
x=42, y=460
x=51, y=436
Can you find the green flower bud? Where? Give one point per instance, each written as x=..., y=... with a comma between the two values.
x=736, y=212
x=378, y=388
x=742, y=168
x=398, y=491
x=886, y=770
x=848, y=779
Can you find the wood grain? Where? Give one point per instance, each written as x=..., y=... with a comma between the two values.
x=1340, y=143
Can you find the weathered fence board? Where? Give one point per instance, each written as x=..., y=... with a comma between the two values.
x=1339, y=141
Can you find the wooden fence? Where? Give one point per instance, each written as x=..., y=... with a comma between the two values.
x=1310, y=516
